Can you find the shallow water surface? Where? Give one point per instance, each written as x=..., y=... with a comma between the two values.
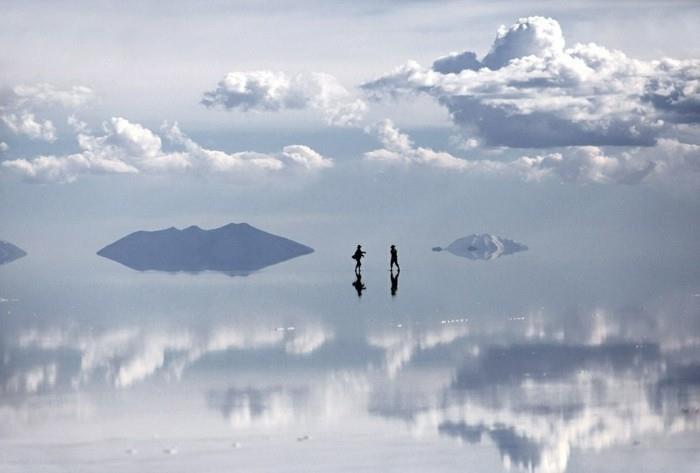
x=513, y=364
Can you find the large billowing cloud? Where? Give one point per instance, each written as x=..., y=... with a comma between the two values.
x=18, y=108
x=126, y=147
x=530, y=90
x=577, y=164
x=273, y=91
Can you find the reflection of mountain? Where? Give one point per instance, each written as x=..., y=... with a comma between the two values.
x=483, y=246
x=231, y=248
x=10, y=252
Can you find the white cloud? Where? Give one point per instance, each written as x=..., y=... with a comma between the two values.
x=25, y=123
x=4, y=146
x=398, y=148
x=126, y=147
x=531, y=91
x=274, y=91
x=18, y=108
x=669, y=163
x=48, y=94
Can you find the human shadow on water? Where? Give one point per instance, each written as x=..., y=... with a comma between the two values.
x=358, y=285
x=394, y=282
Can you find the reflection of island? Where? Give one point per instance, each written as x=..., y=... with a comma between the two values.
x=10, y=252
x=483, y=246
x=231, y=248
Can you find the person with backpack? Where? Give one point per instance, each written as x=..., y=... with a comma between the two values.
x=357, y=256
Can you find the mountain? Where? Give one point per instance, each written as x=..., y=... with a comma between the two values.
x=483, y=246
x=236, y=247
x=9, y=252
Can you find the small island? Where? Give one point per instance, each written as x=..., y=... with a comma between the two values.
x=10, y=252
x=482, y=246
x=233, y=248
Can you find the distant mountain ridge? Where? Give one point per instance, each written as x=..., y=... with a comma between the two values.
x=483, y=246
x=236, y=247
x=10, y=252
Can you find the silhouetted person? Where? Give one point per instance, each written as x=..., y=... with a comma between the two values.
x=359, y=287
x=394, y=258
x=357, y=256
x=394, y=282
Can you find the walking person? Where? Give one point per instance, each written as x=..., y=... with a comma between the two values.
x=394, y=259
x=357, y=256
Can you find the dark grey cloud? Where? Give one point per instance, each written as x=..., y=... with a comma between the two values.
x=583, y=164
x=455, y=63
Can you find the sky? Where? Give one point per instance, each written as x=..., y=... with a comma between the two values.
x=494, y=116
x=572, y=127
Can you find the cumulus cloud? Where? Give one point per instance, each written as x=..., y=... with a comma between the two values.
x=274, y=91
x=18, y=108
x=530, y=90
x=25, y=123
x=125, y=147
x=574, y=164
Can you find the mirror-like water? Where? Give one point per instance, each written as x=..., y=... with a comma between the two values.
x=516, y=363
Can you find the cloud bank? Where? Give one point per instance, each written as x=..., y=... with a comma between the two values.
x=577, y=164
x=125, y=147
x=530, y=91
x=274, y=91
x=591, y=114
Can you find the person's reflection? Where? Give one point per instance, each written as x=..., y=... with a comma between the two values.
x=359, y=287
x=394, y=282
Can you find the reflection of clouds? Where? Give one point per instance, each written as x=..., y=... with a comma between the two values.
x=308, y=341
x=269, y=407
x=401, y=344
x=338, y=396
x=32, y=379
x=128, y=355
x=536, y=403
x=35, y=410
